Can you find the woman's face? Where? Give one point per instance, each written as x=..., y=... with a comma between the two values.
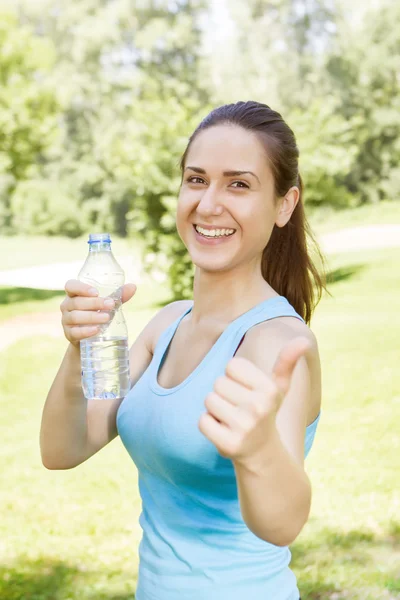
x=227, y=185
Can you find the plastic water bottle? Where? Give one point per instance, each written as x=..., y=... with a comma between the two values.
x=105, y=355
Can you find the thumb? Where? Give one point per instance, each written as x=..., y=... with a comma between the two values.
x=128, y=291
x=287, y=360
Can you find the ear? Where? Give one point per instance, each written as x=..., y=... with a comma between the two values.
x=287, y=205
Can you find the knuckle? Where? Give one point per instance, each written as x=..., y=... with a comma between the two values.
x=247, y=422
x=74, y=332
x=99, y=317
x=74, y=303
x=219, y=383
x=209, y=400
x=86, y=319
x=202, y=423
x=259, y=407
x=68, y=318
x=68, y=285
x=82, y=332
x=90, y=318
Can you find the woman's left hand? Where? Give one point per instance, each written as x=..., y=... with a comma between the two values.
x=242, y=408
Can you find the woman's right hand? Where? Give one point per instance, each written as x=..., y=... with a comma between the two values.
x=80, y=309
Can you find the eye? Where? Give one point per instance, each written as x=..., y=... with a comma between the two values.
x=195, y=179
x=242, y=184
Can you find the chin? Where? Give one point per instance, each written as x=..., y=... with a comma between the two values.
x=211, y=265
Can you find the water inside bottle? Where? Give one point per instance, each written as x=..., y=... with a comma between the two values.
x=105, y=367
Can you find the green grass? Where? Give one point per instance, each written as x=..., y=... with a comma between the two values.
x=21, y=301
x=327, y=220
x=23, y=251
x=39, y=250
x=26, y=251
x=351, y=545
x=73, y=535
x=18, y=301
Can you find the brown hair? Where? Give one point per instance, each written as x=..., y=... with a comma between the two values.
x=286, y=264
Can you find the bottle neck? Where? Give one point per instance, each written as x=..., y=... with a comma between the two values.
x=95, y=247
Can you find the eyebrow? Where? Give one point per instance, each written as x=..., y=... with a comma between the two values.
x=225, y=173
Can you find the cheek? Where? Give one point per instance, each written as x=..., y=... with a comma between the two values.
x=182, y=213
x=257, y=227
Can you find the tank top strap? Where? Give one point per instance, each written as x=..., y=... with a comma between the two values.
x=278, y=307
x=230, y=339
x=167, y=335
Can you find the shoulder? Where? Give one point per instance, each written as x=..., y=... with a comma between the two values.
x=165, y=317
x=267, y=338
x=263, y=343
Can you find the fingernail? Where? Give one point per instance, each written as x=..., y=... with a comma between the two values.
x=109, y=303
x=93, y=292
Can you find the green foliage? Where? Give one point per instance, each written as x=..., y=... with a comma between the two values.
x=327, y=152
x=98, y=99
x=333, y=74
x=363, y=74
x=28, y=106
x=44, y=207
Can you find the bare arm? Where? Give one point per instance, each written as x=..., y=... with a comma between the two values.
x=278, y=474
x=63, y=427
x=74, y=428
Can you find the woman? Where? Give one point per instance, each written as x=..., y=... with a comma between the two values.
x=226, y=389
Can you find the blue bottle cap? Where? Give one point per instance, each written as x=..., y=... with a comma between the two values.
x=99, y=237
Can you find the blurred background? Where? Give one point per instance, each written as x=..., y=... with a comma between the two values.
x=97, y=101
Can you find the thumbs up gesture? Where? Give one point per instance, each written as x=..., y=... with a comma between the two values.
x=242, y=407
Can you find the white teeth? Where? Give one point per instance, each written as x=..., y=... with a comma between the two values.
x=214, y=232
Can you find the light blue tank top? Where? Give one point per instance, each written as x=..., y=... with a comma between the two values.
x=195, y=544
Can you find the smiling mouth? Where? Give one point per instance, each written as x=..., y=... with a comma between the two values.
x=214, y=233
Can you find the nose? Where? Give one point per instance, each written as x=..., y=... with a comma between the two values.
x=209, y=204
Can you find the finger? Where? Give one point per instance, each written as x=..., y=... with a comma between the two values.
x=218, y=433
x=80, y=333
x=232, y=391
x=246, y=373
x=128, y=291
x=225, y=412
x=85, y=317
x=84, y=303
x=74, y=287
x=287, y=360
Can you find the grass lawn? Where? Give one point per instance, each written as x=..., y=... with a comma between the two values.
x=20, y=300
x=22, y=251
x=327, y=220
x=27, y=251
x=73, y=535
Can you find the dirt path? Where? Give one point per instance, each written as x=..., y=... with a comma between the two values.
x=28, y=325
x=54, y=276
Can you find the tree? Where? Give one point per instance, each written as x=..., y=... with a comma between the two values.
x=363, y=75
x=28, y=107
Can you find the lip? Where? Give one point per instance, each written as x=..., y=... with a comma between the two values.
x=209, y=227
x=212, y=241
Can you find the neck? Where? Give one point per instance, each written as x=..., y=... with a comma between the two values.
x=223, y=296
